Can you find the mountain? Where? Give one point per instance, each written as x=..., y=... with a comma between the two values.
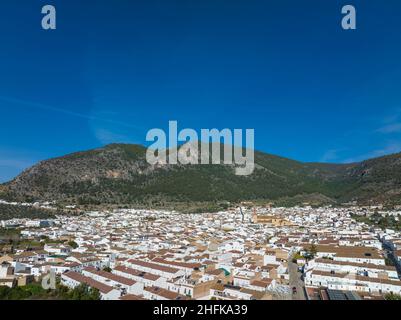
x=119, y=174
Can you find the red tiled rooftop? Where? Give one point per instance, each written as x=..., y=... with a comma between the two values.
x=111, y=276
x=103, y=288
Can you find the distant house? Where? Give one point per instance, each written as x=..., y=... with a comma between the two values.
x=57, y=249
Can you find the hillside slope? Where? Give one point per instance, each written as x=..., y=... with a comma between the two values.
x=119, y=173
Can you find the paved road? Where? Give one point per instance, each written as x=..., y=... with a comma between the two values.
x=390, y=255
x=296, y=281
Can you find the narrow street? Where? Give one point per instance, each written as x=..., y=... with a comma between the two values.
x=390, y=255
x=296, y=281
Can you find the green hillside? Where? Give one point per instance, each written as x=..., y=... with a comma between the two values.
x=119, y=174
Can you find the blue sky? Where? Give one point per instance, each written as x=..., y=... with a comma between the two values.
x=115, y=69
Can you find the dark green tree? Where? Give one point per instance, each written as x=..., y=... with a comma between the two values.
x=392, y=296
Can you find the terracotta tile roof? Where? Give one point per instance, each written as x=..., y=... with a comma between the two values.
x=362, y=265
x=214, y=272
x=349, y=252
x=153, y=266
x=111, y=276
x=103, y=288
x=131, y=297
x=261, y=283
x=137, y=273
x=356, y=277
x=170, y=295
x=177, y=263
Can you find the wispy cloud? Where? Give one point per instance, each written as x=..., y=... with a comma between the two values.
x=331, y=155
x=30, y=104
x=390, y=128
x=391, y=124
x=390, y=148
x=106, y=136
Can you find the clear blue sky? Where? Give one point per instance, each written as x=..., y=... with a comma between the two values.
x=115, y=69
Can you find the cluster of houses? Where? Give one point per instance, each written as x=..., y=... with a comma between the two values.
x=347, y=256
x=132, y=254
